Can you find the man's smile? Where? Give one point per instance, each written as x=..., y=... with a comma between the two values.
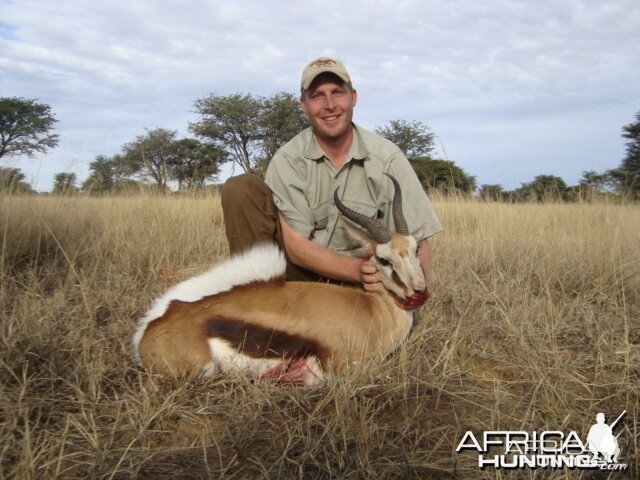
x=331, y=118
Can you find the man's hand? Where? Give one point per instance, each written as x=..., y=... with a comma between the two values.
x=369, y=274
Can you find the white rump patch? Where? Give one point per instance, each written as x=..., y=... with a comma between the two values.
x=263, y=262
x=228, y=359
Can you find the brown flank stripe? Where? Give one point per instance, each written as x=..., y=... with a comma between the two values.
x=260, y=342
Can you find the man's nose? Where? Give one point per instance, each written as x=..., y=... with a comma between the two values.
x=329, y=103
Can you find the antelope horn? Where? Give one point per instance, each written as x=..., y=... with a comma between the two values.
x=398, y=217
x=374, y=227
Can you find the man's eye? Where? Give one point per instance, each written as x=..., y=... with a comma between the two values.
x=382, y=261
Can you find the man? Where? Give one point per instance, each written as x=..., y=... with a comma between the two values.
x=601, y=439
x=294, y=206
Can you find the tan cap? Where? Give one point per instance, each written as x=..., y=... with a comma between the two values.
x=322, y=65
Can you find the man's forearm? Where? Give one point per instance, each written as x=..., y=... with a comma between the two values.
x=304, y=253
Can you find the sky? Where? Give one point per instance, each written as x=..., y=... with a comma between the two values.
x=512, y=89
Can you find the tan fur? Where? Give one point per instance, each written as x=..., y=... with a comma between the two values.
x=350, y=323
x=399, y=244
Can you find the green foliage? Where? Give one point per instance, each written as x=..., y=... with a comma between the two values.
x=101, y=177
x=12, y=180
x=195, y=162
x=159, y=156
x=415, y=139
x=632, y=134
x=580, y=193
x=232, y=123
x=596, y=181
x=627, y=176
x=250, y=129
x=109, y=174
x=152, y=154
x=492, y=192
x=25, y=127
x=64, y=183
x=443, y=175
x=281, y=119
x=547, y=188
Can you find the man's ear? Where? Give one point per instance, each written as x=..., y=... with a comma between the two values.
x=420, y=232
x=355, y=233
x=302, y=106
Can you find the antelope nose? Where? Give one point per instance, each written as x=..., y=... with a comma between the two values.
x=420, y=295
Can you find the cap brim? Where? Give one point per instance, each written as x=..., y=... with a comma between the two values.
x=307, y=82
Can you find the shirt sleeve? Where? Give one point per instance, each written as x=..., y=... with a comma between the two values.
x=288, y=186
x=416, y=206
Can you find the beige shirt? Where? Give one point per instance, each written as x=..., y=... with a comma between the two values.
x=303, y=179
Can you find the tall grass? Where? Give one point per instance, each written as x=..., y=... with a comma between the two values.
x=534, y=324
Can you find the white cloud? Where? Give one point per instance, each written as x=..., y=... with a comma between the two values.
x=511, y=72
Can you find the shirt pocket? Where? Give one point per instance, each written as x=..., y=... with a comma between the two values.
x=320, y=215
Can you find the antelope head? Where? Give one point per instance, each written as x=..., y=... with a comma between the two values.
x=395, y=253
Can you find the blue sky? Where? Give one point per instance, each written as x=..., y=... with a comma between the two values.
x=512, y=89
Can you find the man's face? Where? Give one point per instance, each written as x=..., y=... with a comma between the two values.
x=328, y=103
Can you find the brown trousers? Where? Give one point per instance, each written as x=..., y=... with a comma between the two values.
x=251, y=217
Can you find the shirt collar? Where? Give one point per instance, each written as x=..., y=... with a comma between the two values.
x=357, y=151
x=313, y=151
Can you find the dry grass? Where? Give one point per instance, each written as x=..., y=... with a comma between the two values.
x=534, y=325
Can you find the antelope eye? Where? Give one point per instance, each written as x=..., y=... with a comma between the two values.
x=383, y=261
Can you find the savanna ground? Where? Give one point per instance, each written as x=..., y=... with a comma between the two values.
x=534, y=325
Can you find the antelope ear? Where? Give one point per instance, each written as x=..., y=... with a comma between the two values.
x=420, y=232
x=355, y=233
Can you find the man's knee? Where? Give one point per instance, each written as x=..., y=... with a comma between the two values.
x=241, y=186
x=247, y=196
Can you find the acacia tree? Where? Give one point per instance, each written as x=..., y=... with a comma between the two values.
x=281, y=118
x=542, y=188
x=12, y=180
x=492, y=192
x=108, y=174
x=194, y=163
x=64, y=183
x=443, y=175
x=627, y=175
x=249, y=128
x=232, y=123
x=101, y=177
x=414, y=139
x=594, y=181
x=25, y=127
x=121, y=170
x=152, y=154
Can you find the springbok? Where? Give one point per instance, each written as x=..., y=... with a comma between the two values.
x=243, y=316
